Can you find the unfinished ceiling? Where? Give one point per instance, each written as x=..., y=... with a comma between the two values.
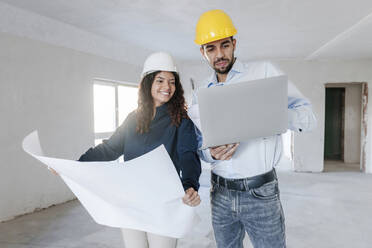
x=267, y=29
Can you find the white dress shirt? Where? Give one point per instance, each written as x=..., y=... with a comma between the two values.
x=256, y=156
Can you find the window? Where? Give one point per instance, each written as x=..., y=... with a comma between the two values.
x=113, y=101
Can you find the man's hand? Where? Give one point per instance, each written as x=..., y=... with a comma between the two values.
x=224, y=152
x=191, y=197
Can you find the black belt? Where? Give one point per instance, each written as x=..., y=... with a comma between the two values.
x=244, y=184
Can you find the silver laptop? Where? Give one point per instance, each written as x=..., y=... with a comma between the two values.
x=241, y=111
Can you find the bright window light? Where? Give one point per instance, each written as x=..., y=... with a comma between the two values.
x=104, y=108
x=127, y=101
x=97, y=142
x=113, y=102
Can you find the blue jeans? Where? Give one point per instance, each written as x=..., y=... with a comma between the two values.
x=256, y=211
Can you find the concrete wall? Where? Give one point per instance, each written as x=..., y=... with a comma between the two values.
x=49, y=89
x=310, y=78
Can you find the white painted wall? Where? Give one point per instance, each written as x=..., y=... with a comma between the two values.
x=310, y=78
x=48, y=88
x=353, y=107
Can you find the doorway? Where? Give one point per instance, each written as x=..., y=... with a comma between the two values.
x=344, y=134
x=334, y=124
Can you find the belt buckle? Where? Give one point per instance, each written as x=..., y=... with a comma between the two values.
x=219, y=180
x=222, y=182
x=246, y=187
x=239, y=185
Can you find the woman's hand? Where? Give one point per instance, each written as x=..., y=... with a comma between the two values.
x=191, y=197
x=53, y=171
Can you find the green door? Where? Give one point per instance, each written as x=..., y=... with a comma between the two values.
x=334, y=123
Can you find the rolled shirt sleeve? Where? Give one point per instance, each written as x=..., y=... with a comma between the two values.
x=300, y=113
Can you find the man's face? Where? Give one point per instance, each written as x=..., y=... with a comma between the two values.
x=220, y=54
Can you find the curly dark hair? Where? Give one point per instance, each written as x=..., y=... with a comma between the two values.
x=177, y=107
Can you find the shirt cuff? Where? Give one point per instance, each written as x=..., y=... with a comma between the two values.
x=206, y=155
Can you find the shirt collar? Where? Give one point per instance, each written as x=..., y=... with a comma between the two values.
x=162, y=108
x=161, y=111
x=238, y=67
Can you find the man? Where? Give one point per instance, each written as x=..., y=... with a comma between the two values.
x=244, y=195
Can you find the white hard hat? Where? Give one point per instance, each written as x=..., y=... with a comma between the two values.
x=159, y=61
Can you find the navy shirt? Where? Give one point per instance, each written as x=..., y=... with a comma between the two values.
x=180, y=142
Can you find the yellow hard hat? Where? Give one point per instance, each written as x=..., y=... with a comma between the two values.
x=213, y=25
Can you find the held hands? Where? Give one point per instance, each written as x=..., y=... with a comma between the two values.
x=224, y=152
x=191, y=197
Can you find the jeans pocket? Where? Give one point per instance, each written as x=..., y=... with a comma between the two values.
x=268, y=191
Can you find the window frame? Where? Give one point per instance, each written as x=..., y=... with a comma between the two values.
x=115, y=84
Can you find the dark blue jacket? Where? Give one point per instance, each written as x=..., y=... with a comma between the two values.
x=180, y=142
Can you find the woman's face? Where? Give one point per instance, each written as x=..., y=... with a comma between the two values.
x=163, y=88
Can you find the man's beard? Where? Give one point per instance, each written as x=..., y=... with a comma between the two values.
x=228, y=67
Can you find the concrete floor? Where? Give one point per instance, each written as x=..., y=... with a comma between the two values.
x=339, y=166
x=332, y=209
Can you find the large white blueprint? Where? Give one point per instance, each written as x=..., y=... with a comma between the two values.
x=144, y=193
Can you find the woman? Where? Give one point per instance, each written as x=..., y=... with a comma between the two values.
x=161, y=118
